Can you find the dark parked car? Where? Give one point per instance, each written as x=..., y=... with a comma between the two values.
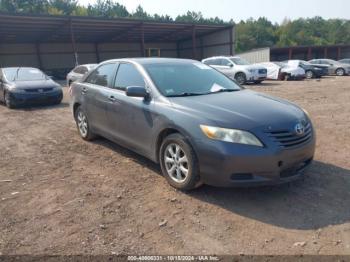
x=334, y=67
x=196, y=122
x=26, y=86
x=311, y=71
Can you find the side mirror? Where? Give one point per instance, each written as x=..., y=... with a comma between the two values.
x=230, y=65
x=136, y=91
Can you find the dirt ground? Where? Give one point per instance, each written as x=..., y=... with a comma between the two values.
x=61, y=195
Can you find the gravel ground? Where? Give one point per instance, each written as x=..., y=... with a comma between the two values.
x=61, y=195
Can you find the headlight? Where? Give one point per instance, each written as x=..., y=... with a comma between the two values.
x=306, y=112
x=231, y=135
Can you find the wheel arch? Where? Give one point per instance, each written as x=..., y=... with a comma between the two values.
x=166, y=132
x=75, y=107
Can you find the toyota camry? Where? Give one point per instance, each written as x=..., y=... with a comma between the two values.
x=198, y=124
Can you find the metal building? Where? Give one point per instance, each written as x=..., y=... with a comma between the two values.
x=58, y=43
x=267, y=54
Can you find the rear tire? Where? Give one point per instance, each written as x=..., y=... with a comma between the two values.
x=340, y=72
x=83, y=124
x=179, y=163
x=8, y=101
x=241, y=78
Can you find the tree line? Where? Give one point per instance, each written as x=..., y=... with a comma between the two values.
x=250, y=34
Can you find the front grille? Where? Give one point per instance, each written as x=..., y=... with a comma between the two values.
x=38, y=90
x=287, y=138
x=262, y=71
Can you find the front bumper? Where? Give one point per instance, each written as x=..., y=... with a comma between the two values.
x=27, y=98
x=231, y=165
x=252, y=77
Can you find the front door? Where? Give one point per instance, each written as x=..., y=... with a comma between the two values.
x=130, y=117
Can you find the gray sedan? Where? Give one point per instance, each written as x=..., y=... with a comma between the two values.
x=197, y=123
x=334, y=67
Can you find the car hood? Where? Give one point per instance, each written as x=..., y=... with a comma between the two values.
x=35, y=84
x=242, y=109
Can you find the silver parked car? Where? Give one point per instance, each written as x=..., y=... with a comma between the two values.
x=334, y=67
x=345, y=61
x=238, y=69
x=78, y=72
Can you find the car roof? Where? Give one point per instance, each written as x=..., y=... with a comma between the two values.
x=158, y=60
x=16, y=67
x=87, y=65
x=222, y=56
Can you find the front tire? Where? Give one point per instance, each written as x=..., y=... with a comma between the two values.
x=179, y=163
x=340, y=72
x=8, y=101
x=309, y=74
x=241, y=78
x=83, y=125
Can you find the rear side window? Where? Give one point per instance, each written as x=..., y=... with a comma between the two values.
x=128, y=75
x=80, y=70
x=102, y=76
x=213, y=62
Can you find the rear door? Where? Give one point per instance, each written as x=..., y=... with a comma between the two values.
x=95, y=92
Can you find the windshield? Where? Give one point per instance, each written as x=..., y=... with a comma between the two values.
x=239, y=61
x=176, y=79
x=305, y=63
x=24, y=74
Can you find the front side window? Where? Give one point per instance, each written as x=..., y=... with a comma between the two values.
x=128, y=75
x=176, y=79
x=102, y=76
x=24, y=74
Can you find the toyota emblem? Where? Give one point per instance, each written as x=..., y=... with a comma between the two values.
x=299, y=129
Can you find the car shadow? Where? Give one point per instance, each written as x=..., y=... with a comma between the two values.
x=42, y=107
x=264, y=84
x=139, y=159
x=320, y=199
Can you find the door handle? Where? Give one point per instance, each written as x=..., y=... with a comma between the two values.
x=112, y=98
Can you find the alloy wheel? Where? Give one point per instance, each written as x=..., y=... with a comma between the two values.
x=309, y=74
x=82, y=124
x=340, y=72
x=176, y=163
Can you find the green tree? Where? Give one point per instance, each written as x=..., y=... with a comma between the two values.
x=107, y=8
x=24, y=6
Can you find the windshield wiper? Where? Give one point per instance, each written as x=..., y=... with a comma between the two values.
x=187, y=94
x=223, y=90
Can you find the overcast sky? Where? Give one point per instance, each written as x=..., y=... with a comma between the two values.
x=275, y=10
